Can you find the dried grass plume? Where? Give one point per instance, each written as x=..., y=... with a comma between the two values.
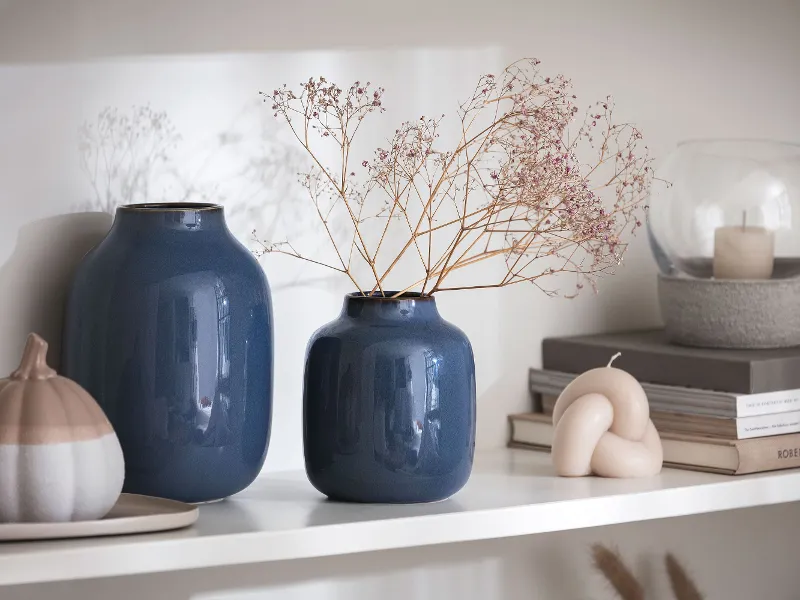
x=683, y=587
x=614, y=570
x=610, y=564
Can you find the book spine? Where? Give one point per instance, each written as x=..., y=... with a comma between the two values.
x=678, y=399
x=767, y=425
x=768, y=454
x=511, y=428
x=724, y=407
x=755, y=455
x=768, y=403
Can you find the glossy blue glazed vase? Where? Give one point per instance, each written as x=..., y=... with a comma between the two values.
x=169, y=326
x=389, y=403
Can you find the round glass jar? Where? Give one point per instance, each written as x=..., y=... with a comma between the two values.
x=728, y=209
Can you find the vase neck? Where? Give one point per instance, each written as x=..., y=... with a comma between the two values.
x=175, y=215
x=406, y=308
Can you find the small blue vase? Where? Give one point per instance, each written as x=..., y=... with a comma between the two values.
x=169, y=326
x=389, y=403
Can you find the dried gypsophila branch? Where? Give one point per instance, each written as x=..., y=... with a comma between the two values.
x=512, y=187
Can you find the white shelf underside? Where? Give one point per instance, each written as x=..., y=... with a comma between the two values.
x=281, y=517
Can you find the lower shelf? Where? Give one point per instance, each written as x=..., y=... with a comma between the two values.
x=281, y=517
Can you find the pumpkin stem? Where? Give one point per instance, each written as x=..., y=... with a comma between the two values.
x=34, y=360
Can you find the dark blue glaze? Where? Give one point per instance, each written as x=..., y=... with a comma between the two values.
x=169, y=326
x=389, y=403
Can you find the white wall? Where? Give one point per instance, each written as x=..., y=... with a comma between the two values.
x=678, y=69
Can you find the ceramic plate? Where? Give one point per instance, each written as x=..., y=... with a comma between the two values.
x=131, y=514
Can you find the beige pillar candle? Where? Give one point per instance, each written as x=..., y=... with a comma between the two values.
x=743, y=252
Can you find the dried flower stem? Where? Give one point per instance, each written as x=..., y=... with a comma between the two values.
x=512, y=188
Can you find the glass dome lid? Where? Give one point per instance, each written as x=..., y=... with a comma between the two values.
x=727, y=209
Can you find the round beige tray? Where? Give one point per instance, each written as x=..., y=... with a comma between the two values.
x=131, y=514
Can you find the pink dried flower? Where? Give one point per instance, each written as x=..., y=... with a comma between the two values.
x=530, y=186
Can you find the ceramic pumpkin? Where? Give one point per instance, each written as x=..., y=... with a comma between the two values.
x=60, y=459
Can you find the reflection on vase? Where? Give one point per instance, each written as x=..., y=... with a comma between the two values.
x=389, y=403
x=169, y=326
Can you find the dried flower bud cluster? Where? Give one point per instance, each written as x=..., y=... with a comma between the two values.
x=527, y=181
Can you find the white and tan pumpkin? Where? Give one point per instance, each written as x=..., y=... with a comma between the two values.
x=60, y=459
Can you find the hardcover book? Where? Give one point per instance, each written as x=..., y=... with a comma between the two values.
x=650, y=357
x=534, y=431
x=742, y=428
x=674, y=399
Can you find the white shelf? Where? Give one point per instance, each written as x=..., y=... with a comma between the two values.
x=281, y=517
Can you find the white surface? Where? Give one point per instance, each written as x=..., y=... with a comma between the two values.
x=512, y=493
x=68, y=481
x=547, y=566
x=131, y=513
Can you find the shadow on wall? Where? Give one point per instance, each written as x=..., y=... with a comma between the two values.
x=137, y=156
x=523, y=316
x=127, y=158
x=36, y=278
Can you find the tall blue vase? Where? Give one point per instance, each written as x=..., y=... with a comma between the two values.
x=389, y=403
x=169, y=326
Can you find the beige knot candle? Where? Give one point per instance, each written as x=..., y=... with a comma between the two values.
x=603, y=427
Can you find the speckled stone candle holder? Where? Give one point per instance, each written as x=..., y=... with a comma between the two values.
x=713, y=313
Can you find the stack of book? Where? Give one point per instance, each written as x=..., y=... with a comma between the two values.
x=725, y=411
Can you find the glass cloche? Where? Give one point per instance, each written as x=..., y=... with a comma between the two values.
x=727, y=209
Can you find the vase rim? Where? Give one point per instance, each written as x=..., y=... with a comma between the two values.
x=170, y=207
x=387, y=296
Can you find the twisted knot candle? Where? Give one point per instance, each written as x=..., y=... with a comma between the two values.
x=602, y=426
